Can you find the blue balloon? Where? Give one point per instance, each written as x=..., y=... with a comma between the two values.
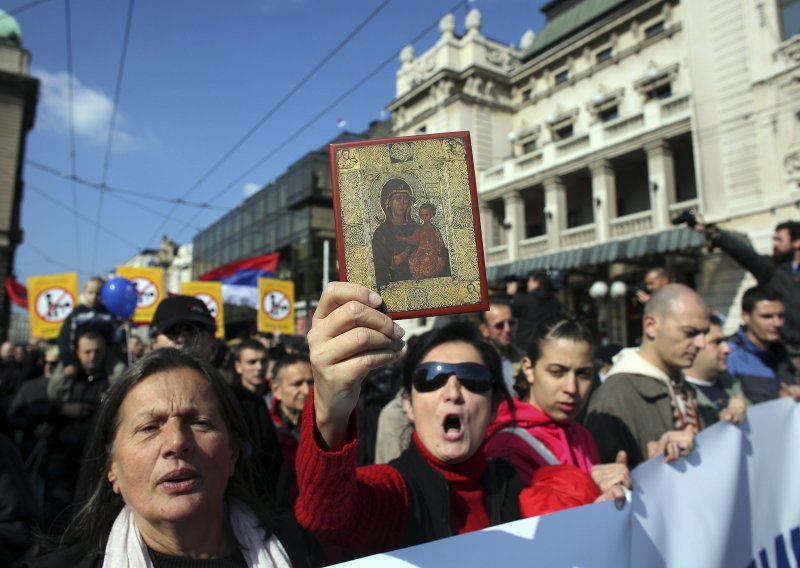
x=120, y=297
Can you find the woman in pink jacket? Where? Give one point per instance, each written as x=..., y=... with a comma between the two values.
x=539, y=427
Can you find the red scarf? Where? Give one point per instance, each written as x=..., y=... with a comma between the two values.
x=467, y=509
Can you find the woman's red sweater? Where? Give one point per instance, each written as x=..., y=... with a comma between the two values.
x=357, y=511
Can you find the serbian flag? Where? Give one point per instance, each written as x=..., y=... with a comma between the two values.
x=240, y=278
x=17, y=293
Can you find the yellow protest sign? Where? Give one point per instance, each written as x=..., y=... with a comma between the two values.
x=276, y=305
x=149, y=284
x=211, y=295
x=51, y=299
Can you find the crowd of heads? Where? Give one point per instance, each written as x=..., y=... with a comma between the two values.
x=170, y=408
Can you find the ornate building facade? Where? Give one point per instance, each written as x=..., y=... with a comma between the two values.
x=590, y=137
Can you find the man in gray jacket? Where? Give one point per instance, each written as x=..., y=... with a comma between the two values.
x=645, y=406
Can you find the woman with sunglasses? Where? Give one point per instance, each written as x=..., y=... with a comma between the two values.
x=553, y=385
x=442, y=484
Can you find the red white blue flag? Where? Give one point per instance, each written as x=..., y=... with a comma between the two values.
x=240, y=278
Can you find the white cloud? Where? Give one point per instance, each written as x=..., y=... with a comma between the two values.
x=91, y=110
x=250, y=188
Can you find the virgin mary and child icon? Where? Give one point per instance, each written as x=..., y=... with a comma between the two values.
x=402, y=248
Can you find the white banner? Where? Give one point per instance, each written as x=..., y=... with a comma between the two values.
x=735, y=501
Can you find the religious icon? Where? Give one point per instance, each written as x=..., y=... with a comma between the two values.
x=407, y=222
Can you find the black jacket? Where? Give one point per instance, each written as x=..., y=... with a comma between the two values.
x=531, y=309
x=264, y=450
x=303, y=550
x=429, y=496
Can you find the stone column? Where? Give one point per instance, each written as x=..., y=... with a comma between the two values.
x=661, y=177
x=487, y=226
x=555, y=207
x=515, y=215
x=604, y=197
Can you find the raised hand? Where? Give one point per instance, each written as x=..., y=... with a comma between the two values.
x=609, y=475
x=349, y=337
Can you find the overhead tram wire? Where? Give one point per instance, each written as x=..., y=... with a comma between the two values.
x=115, y=193
x=89, y=220
x=319, y=115
x=46, y=257
x=708, y=133
x=112, y=125
x=27, y=6
x=112, y=190
x=71, y=112
x=300, y=84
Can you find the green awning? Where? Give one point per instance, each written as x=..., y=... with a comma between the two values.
x=671, y=240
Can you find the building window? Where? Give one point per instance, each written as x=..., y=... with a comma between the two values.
x=790, y=17
x=604, y=55
x=562, y=76
x=662, y=91
x=529, y=146
x=657, y=83
x=609, y=113
x=654, y=30
x=563, y=132
x=527, y=94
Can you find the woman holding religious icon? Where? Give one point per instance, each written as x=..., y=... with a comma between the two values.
x=442, y=484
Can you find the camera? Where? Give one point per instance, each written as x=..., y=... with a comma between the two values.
x=638, y=287
x=687, y=216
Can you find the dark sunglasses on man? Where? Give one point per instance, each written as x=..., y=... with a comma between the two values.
x=499, y=326
x=432, y=376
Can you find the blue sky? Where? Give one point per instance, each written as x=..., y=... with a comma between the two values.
x=198, y=76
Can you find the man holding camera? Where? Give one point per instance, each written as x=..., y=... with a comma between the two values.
x=655, y=279
x=781, y=271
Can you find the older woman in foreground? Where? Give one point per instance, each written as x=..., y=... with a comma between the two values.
x=167, y=478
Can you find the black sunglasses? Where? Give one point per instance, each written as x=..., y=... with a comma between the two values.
x=429, y=377
x=499, y=326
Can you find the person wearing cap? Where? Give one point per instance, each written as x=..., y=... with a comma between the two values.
x=184, y=322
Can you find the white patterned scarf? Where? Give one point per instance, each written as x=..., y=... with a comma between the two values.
x=126, y=549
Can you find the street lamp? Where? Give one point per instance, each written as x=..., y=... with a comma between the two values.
x=618, y=290
x=600, y=291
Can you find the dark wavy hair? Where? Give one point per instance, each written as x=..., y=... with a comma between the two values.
x=565, y=326
x=100, y=507
x=465, y=332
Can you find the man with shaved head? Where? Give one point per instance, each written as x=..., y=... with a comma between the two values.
x=645, y=407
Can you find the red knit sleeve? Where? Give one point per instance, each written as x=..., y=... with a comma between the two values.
x=557, y=487
x=352, y=511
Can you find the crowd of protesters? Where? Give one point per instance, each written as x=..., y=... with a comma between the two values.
x=279, y=450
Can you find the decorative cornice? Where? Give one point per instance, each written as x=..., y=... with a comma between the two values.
x=789, y=50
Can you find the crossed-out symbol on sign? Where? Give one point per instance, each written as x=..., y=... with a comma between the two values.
x=54, y=304
x=146, y=291
x=276, y=305
x=210, y=302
